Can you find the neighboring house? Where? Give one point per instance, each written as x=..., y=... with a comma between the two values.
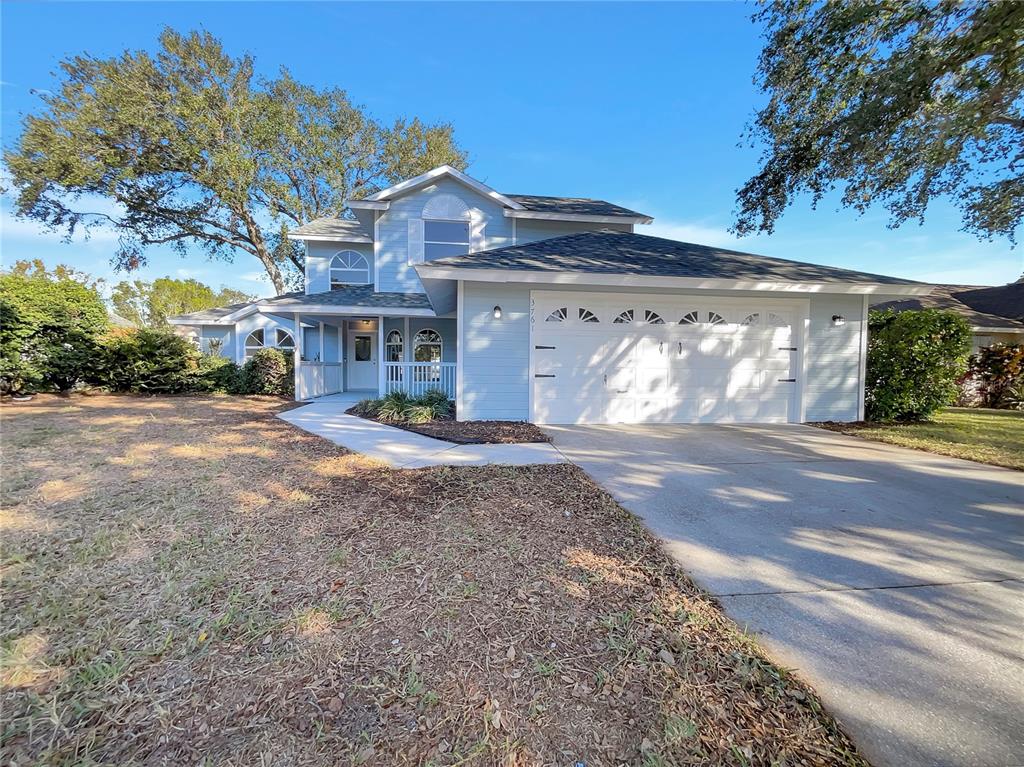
x=553, y=310
x=996, y=314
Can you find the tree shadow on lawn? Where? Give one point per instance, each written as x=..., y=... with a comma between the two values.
x=193, y=578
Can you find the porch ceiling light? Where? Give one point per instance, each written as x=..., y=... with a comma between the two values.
x=497, y=312
x=838, y=319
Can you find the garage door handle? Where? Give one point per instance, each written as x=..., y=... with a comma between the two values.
x=622, y=391
x=786, y=380
x=543, y=347
x=787, y=348
x=543, y=375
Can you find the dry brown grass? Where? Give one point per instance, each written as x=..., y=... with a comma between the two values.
x=193, y=581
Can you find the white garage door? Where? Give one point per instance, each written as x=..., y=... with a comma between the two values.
x=622, y=358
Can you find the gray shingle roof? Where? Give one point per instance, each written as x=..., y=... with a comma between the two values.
x=338, y=228
x=210, y=315
x=608, y=252
x=983, y=307
x=578, y=206
x=352, y=295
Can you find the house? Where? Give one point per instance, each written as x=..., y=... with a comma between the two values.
x=555, y=310
x=996, y=314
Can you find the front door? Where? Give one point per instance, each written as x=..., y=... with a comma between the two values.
x=361, y=360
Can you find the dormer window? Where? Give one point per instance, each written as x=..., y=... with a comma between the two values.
x=349, y=268
x=445, y=238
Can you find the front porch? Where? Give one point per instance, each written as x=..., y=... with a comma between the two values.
x=373, y=356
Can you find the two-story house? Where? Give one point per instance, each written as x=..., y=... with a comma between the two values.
x=554, y=310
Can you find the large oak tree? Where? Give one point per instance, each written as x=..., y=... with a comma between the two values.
x=898, y=102
x=194, y=150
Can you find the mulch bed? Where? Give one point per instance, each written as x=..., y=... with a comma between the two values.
x=471, y=432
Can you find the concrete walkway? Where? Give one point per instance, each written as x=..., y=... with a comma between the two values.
x=403, y=449
x=891, y=579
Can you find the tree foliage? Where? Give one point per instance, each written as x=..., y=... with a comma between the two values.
x=915, y=360
x=149, y=304
x=269, y=371
x=149, y=361
x=895, y=101
x=50, y=325
x=189, y=148
x=999, y=373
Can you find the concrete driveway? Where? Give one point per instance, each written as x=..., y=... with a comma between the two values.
x=891, y=579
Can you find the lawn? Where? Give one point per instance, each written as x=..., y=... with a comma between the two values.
x=986, y=436
x=194, y=581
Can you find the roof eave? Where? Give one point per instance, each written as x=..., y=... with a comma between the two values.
x=367, y=204
x=362, y=238
x=987, y=329
x=432, y=175
x=362, y=311
x=436, y=271
x=580, y=217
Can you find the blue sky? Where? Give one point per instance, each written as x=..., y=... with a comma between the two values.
x=640, y=104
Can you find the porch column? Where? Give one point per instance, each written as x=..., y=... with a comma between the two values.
x=322, y=360
x=297, y=352
x=380, y=356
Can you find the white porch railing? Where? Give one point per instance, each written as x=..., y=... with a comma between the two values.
x=315, y=379
x=416, y=378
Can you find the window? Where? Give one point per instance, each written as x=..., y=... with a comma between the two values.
x=558, y=315
x=714, y=318
x=653, y=318
x=445, y=238
x=426, y=346
x=587, y=316
x=284, y=341
x=623, y=317
x=690, y=318
x=257, y=340
x=349, y=268
x=363, y=348
x=253, y=343
x=393, y=347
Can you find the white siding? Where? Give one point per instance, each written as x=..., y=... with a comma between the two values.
x=496, y=353
x=833, y=386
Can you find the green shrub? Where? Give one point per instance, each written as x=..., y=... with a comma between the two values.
x=915, y=359
x=998, y=371
x=400, y=407
x=269, y=371
x=392, y=407
x=366, y=408
x=49, y=332
x=149, y=361
x=218, y=374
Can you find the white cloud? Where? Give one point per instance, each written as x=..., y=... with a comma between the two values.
x=253, y=277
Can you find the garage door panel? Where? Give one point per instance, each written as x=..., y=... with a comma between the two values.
x=715, y=360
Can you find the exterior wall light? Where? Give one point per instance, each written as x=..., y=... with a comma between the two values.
x=497, y=312
x=838, y=319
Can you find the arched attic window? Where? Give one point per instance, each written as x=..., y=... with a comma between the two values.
x=349, y=268
x=446, y=227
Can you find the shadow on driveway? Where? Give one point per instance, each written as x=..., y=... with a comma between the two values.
x=889, y=578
